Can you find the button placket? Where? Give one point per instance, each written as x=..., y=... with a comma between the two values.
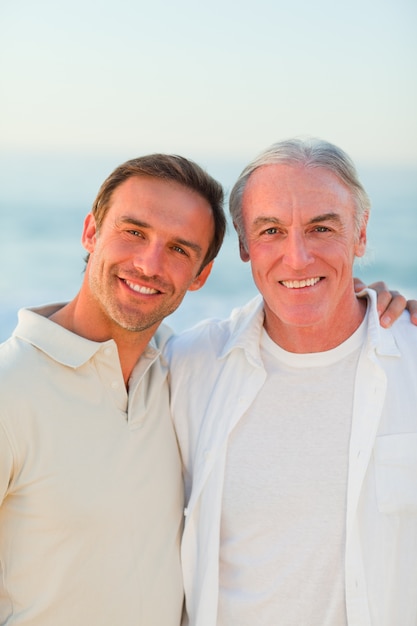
x=110, y=372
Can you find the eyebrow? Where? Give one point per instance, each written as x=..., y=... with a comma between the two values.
x=325, y=217
x=126, y=219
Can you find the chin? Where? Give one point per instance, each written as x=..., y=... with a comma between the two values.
x=301, y=317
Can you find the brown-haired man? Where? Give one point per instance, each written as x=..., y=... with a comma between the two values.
x=90, y=476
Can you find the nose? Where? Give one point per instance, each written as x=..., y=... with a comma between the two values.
x=297, y=254
x=148, y=259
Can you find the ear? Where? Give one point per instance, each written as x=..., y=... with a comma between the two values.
x=244, y=254
x=200, y=280
x=88, y=238
x=360, y=246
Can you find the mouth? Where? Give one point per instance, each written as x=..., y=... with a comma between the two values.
x=148, y=291
x=299, y=284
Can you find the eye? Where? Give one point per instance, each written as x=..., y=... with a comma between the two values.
x=179, y=250
x=322, y=229
x=272, y=230
x=135, y=233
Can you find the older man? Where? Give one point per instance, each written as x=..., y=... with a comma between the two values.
x=297, y=418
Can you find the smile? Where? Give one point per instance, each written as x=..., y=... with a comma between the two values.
x=141, y=289
x=299, y=284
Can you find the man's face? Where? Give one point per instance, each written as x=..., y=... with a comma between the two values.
x=301, y=243
x=147, y=252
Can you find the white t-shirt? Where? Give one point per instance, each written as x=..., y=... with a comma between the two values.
x=284, y=499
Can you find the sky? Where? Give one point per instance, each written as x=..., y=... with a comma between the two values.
x=214, y=81
x=87, y=84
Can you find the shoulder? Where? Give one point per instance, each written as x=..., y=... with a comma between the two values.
x=210, y=336
x=405, y=334
x=402, y=333
x=15, y=356
x=207, y=335
x=19, y=385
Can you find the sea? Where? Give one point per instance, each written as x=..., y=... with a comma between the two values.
x=43, y=202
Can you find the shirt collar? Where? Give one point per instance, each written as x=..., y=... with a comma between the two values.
x=380, y=340
x=65, y=347
x=246, y=324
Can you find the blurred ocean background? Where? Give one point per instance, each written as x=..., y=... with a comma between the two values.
x=43, y=201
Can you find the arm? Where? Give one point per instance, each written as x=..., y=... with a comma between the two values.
x=390, y=303
x=6, y=464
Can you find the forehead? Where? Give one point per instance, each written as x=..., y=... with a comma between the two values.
x=151, y=191
x=160, y=199
x=166, y=208
x=283, y=187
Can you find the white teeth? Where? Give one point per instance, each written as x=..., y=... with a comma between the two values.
x=298, y=284
x=140, y=289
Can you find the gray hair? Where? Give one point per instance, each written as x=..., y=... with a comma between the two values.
x=309, y=152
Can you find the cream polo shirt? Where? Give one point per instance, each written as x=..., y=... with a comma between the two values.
x=90, y=483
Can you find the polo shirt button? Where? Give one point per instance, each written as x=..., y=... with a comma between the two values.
x=107, y=351
x=115, y=384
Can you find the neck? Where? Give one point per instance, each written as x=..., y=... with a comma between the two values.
x=320, y=337
x=130, y=345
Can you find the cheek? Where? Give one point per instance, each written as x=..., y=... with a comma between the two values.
x=110, y=251
x=263, y=261
x=340, y=251
x=98, y=261
x=262, y=253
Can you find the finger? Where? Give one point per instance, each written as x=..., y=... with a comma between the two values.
x=393, y=309
x=382, y=290
x=358, y=285
x=412, y=308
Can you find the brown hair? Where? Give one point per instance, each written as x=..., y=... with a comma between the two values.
x=174, y=168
